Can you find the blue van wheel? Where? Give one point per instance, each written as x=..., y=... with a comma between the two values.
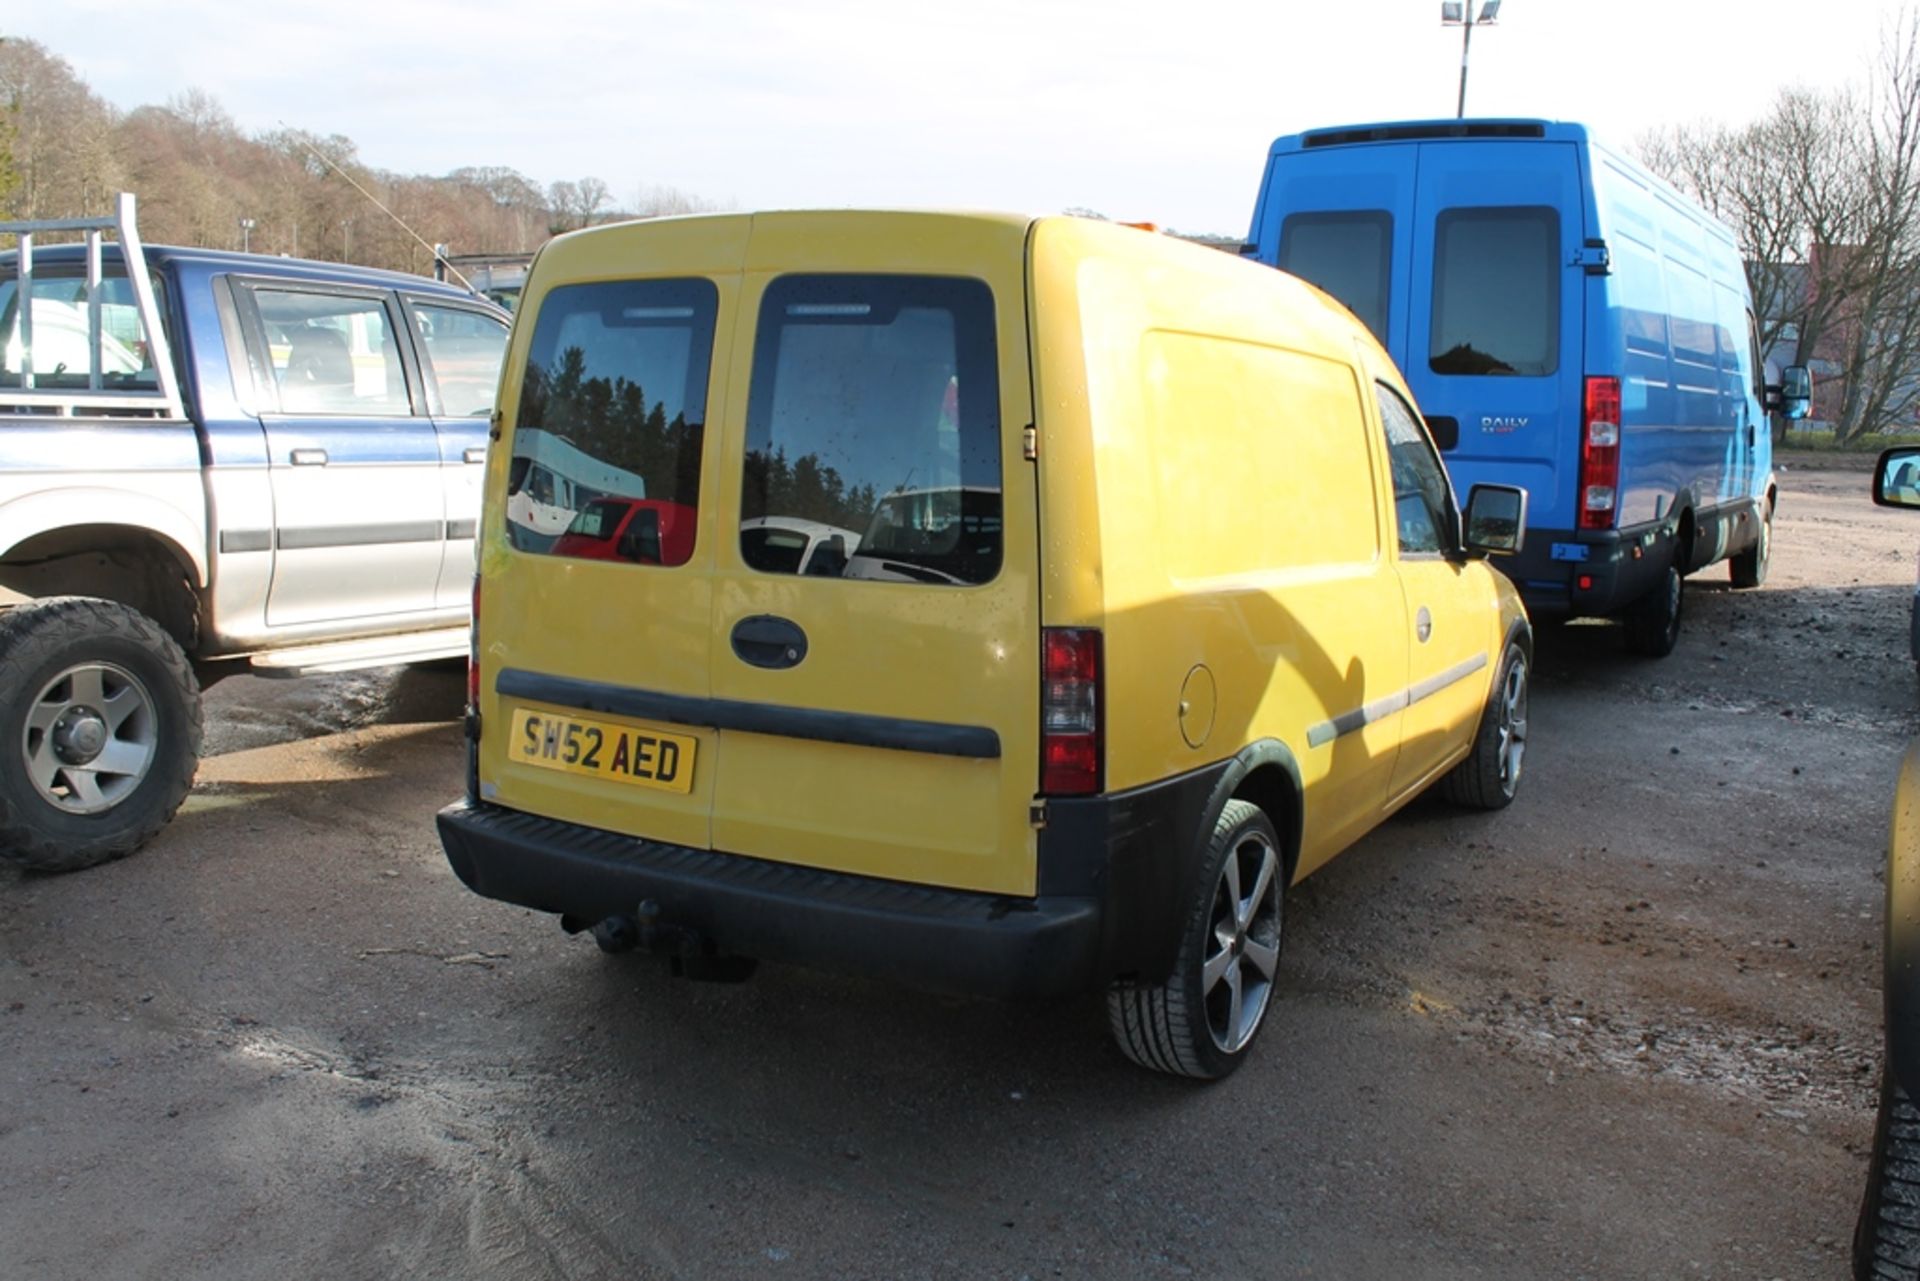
x=1749, y=568
x=1653, y=624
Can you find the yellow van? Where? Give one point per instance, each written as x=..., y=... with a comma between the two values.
x=1142, y=593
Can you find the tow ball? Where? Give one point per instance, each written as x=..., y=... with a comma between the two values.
x=689, y=953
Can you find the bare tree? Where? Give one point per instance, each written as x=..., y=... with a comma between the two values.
x=63, y=151
x=63, y=147
x=576, y=204
x=1882, y=346
x=1823, y=193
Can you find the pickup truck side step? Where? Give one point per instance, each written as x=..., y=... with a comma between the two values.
x=376, y=651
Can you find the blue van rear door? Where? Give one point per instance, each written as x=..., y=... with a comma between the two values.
x=1338, y=217
x=1495, y=325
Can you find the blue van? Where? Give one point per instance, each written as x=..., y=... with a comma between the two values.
x=1570, y=324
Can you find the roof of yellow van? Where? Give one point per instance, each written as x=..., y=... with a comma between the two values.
x=890, y=240
x=876, y=240
x=1185, y=285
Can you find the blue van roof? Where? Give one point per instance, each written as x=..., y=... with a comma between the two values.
x=1432, y=130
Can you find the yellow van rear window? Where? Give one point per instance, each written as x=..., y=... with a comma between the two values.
x=873, y=431
x=611, y=421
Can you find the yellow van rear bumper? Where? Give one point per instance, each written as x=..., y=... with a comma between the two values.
x=949, y=940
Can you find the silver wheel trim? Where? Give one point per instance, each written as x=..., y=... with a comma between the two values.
x=1513, y=725
x=1243, y=942
x=86, y=701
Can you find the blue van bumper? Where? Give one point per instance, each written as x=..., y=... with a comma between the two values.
x=1113, y=876
x=1563, y=574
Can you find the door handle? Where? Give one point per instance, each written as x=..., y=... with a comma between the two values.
x=765, y=640
x=309, y=458
x=477, y=454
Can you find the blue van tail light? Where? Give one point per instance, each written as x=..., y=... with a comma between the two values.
x=1600, y=453
x=1070, y=712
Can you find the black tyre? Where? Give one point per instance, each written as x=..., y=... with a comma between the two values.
x=1886, y=1239
x=1749, y=568
x=100, y=730
x=1489, y=778
x=1653, y=623
x=1202, y=1020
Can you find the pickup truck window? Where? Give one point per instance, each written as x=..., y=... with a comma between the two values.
x=463, y=350
x=60, y=335
x=333, y=353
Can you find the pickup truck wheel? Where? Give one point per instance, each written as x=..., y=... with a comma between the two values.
x=1653, y=623
x=1749, y=568
x=100, y=728
x=1490, y=776
x=1202, y=1019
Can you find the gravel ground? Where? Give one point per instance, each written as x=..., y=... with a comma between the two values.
x=1627, y=1028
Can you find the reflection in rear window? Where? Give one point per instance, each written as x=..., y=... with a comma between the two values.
x=1348, y=254
x=613, y=407
x=1496, y=292
x=598, y=519
x=873, y=431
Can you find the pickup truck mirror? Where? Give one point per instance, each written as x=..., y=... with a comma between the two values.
x=1496, y=520
x=1896, y=477
x=1792, y=396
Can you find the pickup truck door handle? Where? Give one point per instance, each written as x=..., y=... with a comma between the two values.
x=308, y=458
x=478, y=454
x=765, y=640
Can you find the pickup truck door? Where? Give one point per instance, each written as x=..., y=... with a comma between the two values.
x=359, y=515
x=460, y=350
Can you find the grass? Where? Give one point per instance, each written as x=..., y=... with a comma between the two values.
x=1823, y=442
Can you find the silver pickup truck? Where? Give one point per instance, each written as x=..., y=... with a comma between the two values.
x=212, y=462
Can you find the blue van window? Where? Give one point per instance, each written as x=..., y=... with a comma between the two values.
x=1496, y=292
x=873, y=431
x=1349, y=254
x=611, y=422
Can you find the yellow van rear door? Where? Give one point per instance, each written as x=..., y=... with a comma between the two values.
x=876, y=631
x=595, y=601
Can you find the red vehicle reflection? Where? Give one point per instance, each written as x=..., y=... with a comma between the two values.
x=645, y=531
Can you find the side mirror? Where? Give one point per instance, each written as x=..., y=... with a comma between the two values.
x=1792, y=399
x=1896, y=477
x=1496, y=520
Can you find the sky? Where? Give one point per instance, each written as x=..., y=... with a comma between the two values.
x=1145, y=112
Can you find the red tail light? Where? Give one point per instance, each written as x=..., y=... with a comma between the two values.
x=1600, y=454
x=1070, y=713
x=473, y=652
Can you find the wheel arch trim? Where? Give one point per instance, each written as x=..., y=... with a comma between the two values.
x=52, y=511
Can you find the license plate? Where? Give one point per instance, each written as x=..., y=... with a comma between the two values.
x=603, y=749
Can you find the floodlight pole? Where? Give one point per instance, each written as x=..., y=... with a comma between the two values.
x=1468, y=20
x=1466, y=42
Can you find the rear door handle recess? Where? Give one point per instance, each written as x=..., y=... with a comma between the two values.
x=477, y=454
x=766, y=640
x=309, y=458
